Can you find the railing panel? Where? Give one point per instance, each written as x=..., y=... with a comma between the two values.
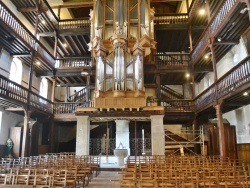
x=212, y=28
x=201, y=46
x=10, y=20
x=46, y=55
x=171, y=94
x=178, y=105
x=224, y=10
x=41, y=103
x=207, y=97
x=172, y=59
x=74, y=23
x=70, y=107
x=140, y=146
x=238, y=76
x=103, y=146
x=16, y=26
x=74, y=62
x=171, y=18
x=79, y=96
x=13, y=90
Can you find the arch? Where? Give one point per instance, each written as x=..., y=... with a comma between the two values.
x=16, y=70
x=44, y=88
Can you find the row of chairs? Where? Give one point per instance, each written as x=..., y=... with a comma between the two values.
x=187, y=171
x=49, y=170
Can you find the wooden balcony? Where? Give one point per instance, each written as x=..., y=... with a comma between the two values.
x=22, y=40
x=15, y=95
x=228, y=24
x=229, y=88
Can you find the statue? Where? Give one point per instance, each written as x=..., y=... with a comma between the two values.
x=9, y=148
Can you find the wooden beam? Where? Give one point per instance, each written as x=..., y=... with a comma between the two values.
x=77, y=31
x=226, y=43
x=183, y=26
x=47, y=34
x=14, y=109
x=234, y=104
x=21, y=55
x=26, y=9
x=72, y=5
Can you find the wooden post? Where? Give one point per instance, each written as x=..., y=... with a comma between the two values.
x=220, y=127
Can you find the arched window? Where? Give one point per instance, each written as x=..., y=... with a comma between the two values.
x=16, y=70
x=44, y=88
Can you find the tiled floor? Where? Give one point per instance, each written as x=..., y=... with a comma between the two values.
x=103, y=180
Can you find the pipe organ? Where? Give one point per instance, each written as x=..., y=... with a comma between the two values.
x=121, y=43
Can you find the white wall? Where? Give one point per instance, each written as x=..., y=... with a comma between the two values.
x=5, y=62
x=9, y=119
x=240, y=118
x=233, y=57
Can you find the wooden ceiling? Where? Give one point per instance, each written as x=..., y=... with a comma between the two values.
x=169, y=38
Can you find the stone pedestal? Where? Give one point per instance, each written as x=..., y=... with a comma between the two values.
x=82, y=135
x=120, y=154
x=157, y=135
x=122, y=134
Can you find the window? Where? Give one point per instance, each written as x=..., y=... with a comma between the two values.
x=235, y=59
x=16, y=69
x=44, y=88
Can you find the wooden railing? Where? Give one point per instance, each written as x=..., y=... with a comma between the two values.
x=171, y=18
x=171, y=94
x=201, y=45
x=74, y=23
x=11, y=21
x=232, y=80
x=25, y=35
x=222, y=14
x=236, y=77
x=213, y=26
x=12, y=90
x=79, y=96
x=178, y=105
x=74, y=62
x=193, y=9
x=19, y=94
x=205, y=98
x=70, y=107
x=41, y=103
x=172, y=59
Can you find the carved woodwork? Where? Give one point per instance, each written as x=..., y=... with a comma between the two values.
x=230, y=140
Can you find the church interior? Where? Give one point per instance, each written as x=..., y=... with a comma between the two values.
x=158, y=90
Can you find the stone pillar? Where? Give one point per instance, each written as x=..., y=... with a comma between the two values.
x=25, y=145
x=220, y=127
x=82, y=135
x=157, y=135
x=122, y=134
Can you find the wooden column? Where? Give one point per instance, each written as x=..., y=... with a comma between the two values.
x=55, y=45
x=220, y=127
x=214, y=62
x=88, y=89
x=158, y=85
x=53, y=90
x=190, y=38
x=33, y=54
x=52, y=136
x=25, y=144
x=66, y=93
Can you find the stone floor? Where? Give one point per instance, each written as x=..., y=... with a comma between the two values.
x=103, y=180
x=109, y=171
